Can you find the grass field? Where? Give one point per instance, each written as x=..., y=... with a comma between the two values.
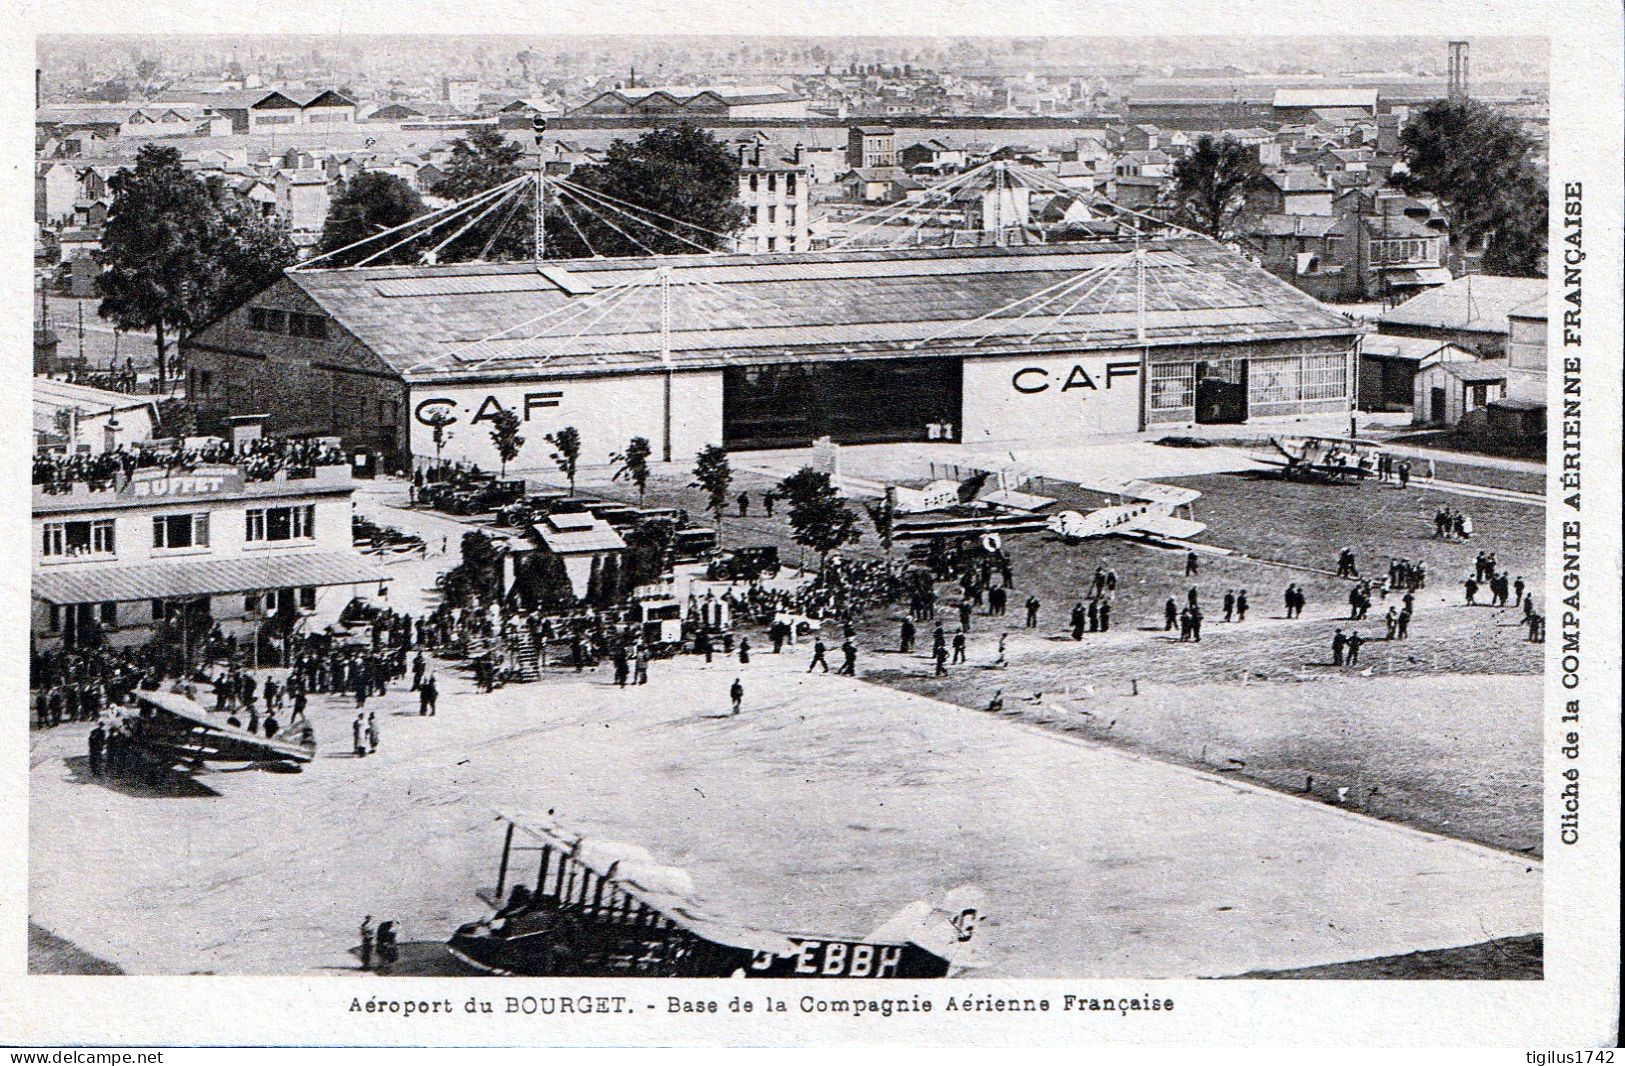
x=1444, y=726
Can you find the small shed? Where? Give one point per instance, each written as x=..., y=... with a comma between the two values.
x=1389, y=365
x=1449, y=391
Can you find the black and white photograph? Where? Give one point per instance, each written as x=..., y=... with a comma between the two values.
x=810, y=506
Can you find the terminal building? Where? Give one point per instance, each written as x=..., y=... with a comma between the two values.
x=190, y=550
x=995, y=344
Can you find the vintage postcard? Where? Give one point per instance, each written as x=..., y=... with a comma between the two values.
x=712, y=524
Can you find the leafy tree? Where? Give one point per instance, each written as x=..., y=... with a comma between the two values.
x=819, y=518
x=480, y=161
x=633, y=464
x=714, y=475
x=679, y=171
x=157, y=271
x=369, y=204
x=248, y=253
x=566, y=453
x=437, y=419
x=1475, y=159
x=1210, y=183
x=505, y=435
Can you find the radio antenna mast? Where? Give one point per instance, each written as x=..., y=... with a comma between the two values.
x=538, y=124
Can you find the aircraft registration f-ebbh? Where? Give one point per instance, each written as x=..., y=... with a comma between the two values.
x=601, y=908
x=181, y=731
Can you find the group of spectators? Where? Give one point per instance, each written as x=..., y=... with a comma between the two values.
x=261, y=459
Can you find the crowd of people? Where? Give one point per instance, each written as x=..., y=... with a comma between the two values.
x=261, y=459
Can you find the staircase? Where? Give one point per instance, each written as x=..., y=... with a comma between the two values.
x=526, y=657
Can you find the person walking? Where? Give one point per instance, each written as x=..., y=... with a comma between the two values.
x=939, y=655
x=736, y=694
x=428, y=693
x=358, y=730
x=905, y=640
x=1032, y=606
x=1241, y=606
x=744, y=651
x=1079, y=620
x=1402, y=624
x=1196, y=623
x=1355, y=640
x=1229, y=605
x=819, y=650
x=959, y=647
x=1191, y=564
x=999, y=660
x=1339, y=643
x=1170, y=615
x=1105, y=615
x=849, y=659
x=372, y=732
x=367, y=940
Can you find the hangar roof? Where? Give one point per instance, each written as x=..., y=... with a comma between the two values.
x=603, y=315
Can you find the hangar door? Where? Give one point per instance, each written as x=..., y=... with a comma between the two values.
x=870, y=401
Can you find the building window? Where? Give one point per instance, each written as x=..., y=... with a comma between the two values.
x=756, y=215
x=1273, y=380
x=72, y=539
x=772, y=182
x=1325, y=377
x=790, y=217
x=272, y=524
x=306, y=325
x=772, y=215
x=772, y=244
x=790, y=184
x=181, y=531
x=251, y=603
x=753, y=183
x=276, y=321
x=1173, y=386
x=307, y=598
x=108, y=613
x=53, y=619
x=256, y=318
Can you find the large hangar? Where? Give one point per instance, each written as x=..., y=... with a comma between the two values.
x=987, y=344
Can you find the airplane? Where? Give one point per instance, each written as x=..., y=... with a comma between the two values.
x=1145, y=510
x=183, y=732
x=601, y=908
x=1334, y=459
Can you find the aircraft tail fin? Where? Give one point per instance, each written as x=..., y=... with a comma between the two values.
x=950, y=929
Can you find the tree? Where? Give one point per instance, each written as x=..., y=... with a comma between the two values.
x=633, y=464
x=505, y=435
x=714, y=475
x=371, y=203
x=819, y=519
x=1475, y=159
x=1210, y=185
x=157, y=272
x=566, y=453
x=437, y=419
x=481, y=161
x=680, y=171
x=249, y=252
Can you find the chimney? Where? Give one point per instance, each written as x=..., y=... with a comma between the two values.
x=795, y=156
x=741, y=148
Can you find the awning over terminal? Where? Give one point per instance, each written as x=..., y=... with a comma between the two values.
x=202, y=577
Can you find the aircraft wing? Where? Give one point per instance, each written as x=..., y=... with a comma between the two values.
x=184, y=726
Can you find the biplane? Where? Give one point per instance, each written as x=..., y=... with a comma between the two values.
x=1144, y=510
x=1333, y=459
x=599, y=908
x=180, y=731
